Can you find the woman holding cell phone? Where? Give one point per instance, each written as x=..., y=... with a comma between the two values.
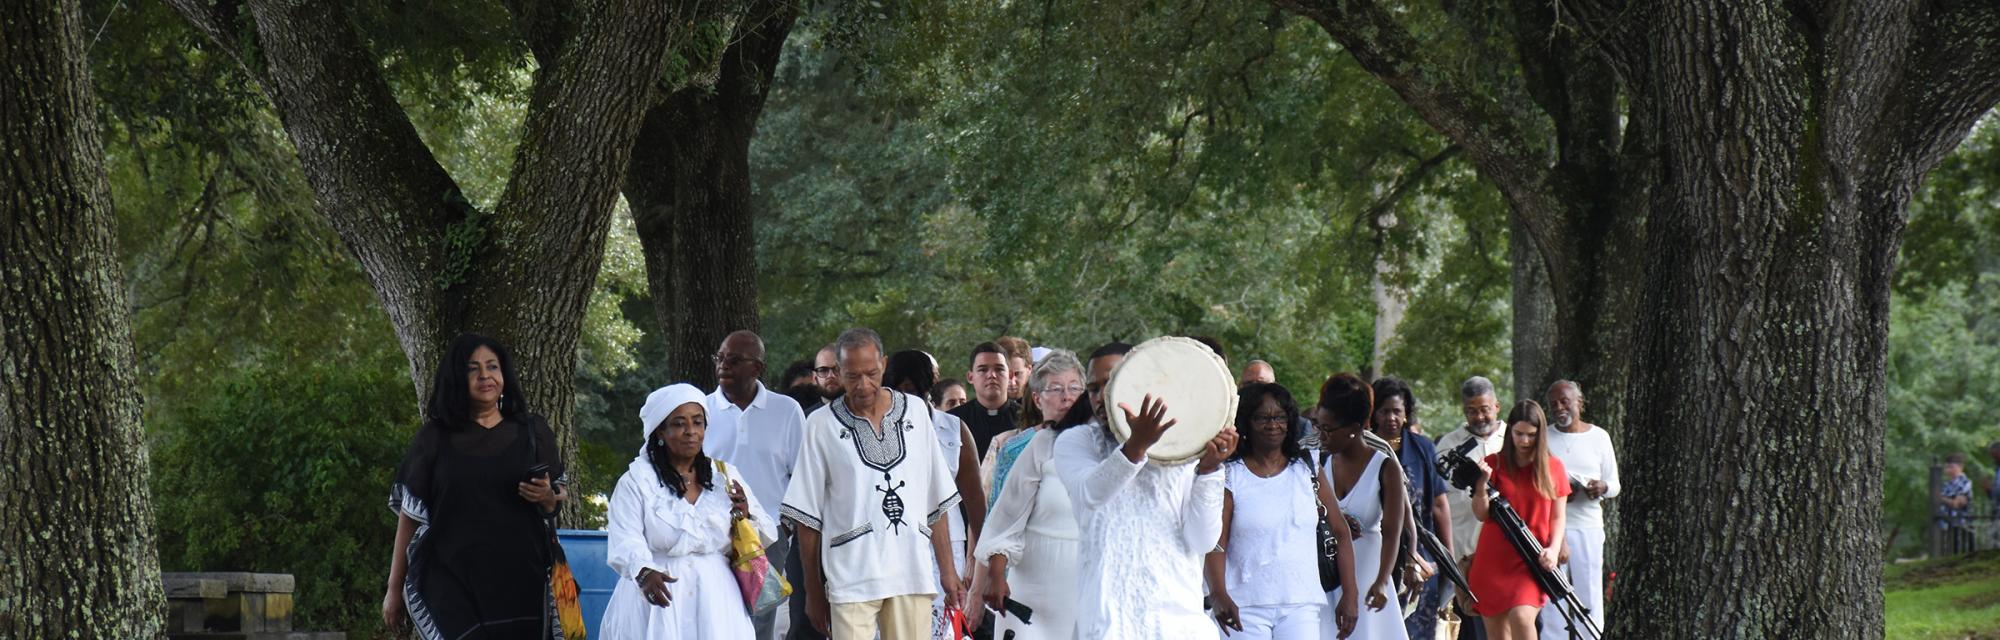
x=482, y=474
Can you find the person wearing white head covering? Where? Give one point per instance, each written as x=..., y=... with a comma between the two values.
x=669, y=532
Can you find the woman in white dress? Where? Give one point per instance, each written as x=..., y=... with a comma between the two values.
x=669, y=532
x=1265, y=583
x=1371, y=492
x=1029, y=546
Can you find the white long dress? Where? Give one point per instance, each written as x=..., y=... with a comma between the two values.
x=1144, y=529
x=1364, y=502
x=652, y=528
x=1034, y=527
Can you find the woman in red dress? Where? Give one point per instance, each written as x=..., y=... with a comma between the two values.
x=1530, y=479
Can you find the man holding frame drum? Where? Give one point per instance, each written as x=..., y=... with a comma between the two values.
x=1147, y=516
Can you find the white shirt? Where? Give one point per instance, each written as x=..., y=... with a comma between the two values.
x=1034, y=500
x=1586, y=456
x=648, y=523
x=761, y=442
x=1273, y=537
x=948, y=432
x=1145, y=529
x=1464, y=524
x=872, y=498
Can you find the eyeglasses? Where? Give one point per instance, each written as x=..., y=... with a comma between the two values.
x=733, y=360
x=1270, y=418
x=1071, y=390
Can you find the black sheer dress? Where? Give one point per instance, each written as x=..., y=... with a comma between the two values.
x=478, y=564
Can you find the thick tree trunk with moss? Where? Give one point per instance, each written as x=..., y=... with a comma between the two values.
x=522, y=273
x=689, y=189
x=1534, y=308
x=81, y=558
x=1719, y=210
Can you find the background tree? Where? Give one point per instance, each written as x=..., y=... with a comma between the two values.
x=1768, y=151
x=523, y=271
x=79, y=539
x=689, y=185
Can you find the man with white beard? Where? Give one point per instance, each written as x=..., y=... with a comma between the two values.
x=1585, y=451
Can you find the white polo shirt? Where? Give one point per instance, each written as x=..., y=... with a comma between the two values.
x=761, y=441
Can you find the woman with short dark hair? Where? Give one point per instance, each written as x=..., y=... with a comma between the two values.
x=482, y=474
x=1370, y=489
x=1264, y=580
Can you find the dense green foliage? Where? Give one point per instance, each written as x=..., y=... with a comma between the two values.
x=285, y=468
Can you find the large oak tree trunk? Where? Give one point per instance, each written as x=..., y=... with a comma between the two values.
x=1534, y=307
x=79, y=547
x=523, y=272
x=689, y=189
x=1762, y=155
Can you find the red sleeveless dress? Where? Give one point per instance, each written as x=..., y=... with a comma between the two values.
x=1499, y=576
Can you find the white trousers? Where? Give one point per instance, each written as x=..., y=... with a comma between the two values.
x=1586, y=575
x=1280, y=622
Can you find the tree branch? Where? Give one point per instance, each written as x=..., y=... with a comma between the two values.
x=547, y=26
x=1951, y=80
x=583, y=118
x=1492, y=139
x=214, y=23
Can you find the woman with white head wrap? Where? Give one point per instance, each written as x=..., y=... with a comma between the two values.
x=669, y=531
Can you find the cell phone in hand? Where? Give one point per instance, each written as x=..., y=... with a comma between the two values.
x=537, y=471
x=1019, y=610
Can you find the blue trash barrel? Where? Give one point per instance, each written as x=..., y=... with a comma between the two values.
x=594, y=579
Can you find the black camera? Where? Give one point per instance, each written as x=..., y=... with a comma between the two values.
x=1458, y=468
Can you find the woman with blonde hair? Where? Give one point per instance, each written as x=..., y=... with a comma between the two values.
x=1532, y=481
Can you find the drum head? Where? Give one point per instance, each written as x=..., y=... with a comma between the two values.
x=1194, y=383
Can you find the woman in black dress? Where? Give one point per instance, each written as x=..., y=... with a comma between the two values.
x=481, y=476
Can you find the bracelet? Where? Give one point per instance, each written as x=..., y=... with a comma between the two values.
x=641, y=578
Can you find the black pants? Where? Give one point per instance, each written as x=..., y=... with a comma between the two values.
x=795, y=573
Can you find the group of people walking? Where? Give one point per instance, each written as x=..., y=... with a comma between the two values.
x=1015, y=514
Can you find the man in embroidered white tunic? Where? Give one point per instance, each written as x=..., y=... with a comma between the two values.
x=757, y=432
x=868, y=499
x=1145, y=528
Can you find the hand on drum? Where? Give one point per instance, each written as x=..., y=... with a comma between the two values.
x=1218, y=449
x=1147, y=426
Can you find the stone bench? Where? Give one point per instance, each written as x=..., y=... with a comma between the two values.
x=233, y=606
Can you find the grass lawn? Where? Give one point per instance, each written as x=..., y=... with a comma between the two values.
x=1944, y=598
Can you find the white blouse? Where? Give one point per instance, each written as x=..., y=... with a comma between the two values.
x=1034, y=500
x=1272, y=557
x=646, y=517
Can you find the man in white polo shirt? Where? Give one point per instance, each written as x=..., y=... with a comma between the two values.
x=758, y=433
x=1585, y=452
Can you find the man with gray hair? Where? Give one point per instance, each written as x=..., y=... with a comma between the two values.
x=868, y=500
x=1482, y=424
x=1586, y=455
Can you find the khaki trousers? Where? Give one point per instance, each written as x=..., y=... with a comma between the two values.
x=898, y=618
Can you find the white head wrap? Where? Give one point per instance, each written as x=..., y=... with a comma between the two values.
x=661, y=403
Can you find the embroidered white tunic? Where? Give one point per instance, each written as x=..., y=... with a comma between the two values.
x=872, y=498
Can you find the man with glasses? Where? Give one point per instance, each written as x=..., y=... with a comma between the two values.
x=826, y=371
x=757, y=432
x=990, y=412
